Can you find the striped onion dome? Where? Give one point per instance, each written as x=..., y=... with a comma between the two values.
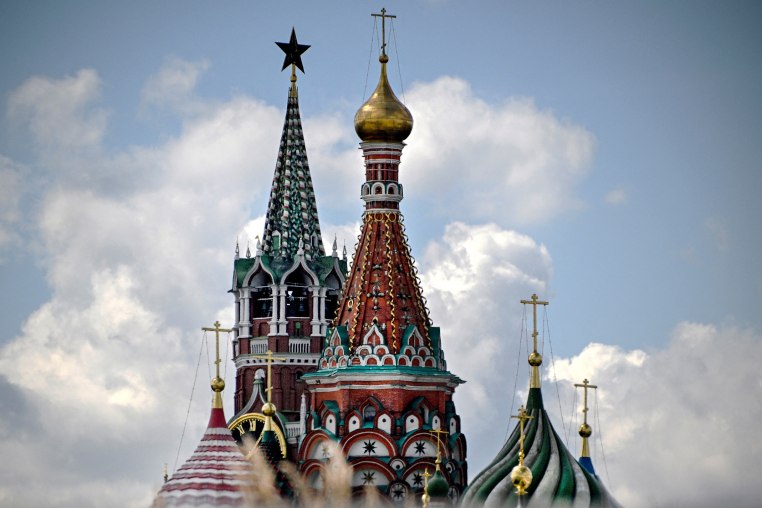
x=215, y=475
x=558, y=479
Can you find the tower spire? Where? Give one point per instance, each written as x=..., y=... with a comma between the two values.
x=292, y=211
x=535, y=358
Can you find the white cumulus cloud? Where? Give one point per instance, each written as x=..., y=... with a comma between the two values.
x=679, y=424
x=493, y=162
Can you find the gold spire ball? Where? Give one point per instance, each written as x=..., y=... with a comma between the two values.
x=383, y=117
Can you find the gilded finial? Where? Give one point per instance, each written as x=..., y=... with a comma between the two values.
x=218, y=384
x=521, y=476
x=425, y=498
x=268, y=408
x=585, y=431
x=383, y=117
x=437, y=433
x=535, y=358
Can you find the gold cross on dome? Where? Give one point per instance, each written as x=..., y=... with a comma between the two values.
x=217, y=331
x=585, y=385
x=269, y=357
x=534, y=302
x=521, y=417
x=383, y=15
x=438, y=433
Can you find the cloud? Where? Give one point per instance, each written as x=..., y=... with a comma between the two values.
x=522, y=163
x=469, y=276
x=12, y=188
x=137, y=249
x=680, y=420
x=616, y=197
x=173, y=87
x=60, y=113
x=134, y=270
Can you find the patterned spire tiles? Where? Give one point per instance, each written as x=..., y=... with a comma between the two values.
x=292, y=216
x=383, y=288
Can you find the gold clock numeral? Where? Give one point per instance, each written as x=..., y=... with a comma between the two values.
x=252, y=425
x=240, y=430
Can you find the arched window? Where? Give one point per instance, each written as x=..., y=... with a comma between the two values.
x=369, y=413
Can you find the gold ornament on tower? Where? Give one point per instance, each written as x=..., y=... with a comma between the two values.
x=383, y=117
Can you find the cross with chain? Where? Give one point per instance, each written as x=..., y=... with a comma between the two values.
x=383, y=15
x=534, y=302
x=585, y=385
x=438, y=432
x=269, y=357
x=584, y=430
x=217, y=331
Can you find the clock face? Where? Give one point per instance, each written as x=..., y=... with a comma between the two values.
x=252, y=424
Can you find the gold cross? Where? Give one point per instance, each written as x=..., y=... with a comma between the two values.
x=534, y=302
x=217, y=331
x=584, y=430
x=383, y=17
x=438, y=432
x=585, y=385
x=425, y=498
x=521, y=417
x=269, y=357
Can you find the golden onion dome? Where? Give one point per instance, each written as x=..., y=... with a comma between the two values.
x=383, y=117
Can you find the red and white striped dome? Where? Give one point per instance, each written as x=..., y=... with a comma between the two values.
x=217, y=474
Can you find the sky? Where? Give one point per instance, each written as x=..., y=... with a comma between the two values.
x=604, y=155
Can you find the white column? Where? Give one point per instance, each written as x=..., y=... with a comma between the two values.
x=274, y=292
x=282, y=320
x=316, y=310
x=245, y=322
x=303, y=417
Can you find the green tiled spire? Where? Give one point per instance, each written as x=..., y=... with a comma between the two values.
x=292, y=213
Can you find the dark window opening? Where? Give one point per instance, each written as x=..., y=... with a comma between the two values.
x=261, y=303
x=297, y=302
x=369, y=414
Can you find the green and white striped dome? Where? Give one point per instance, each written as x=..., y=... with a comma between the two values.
x=558, y=478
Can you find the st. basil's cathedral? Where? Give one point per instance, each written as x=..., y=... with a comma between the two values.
x=339, y=358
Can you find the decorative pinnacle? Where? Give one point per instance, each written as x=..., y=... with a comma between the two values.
x=585, y=431
x=293, y=51
x=218, y=384
x=535, y=358
x=521, y=476
x=268, y=408
x=237, y=249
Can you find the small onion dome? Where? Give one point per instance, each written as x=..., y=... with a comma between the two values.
x=438, y=487
x=383, y=117
x=217, y=474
